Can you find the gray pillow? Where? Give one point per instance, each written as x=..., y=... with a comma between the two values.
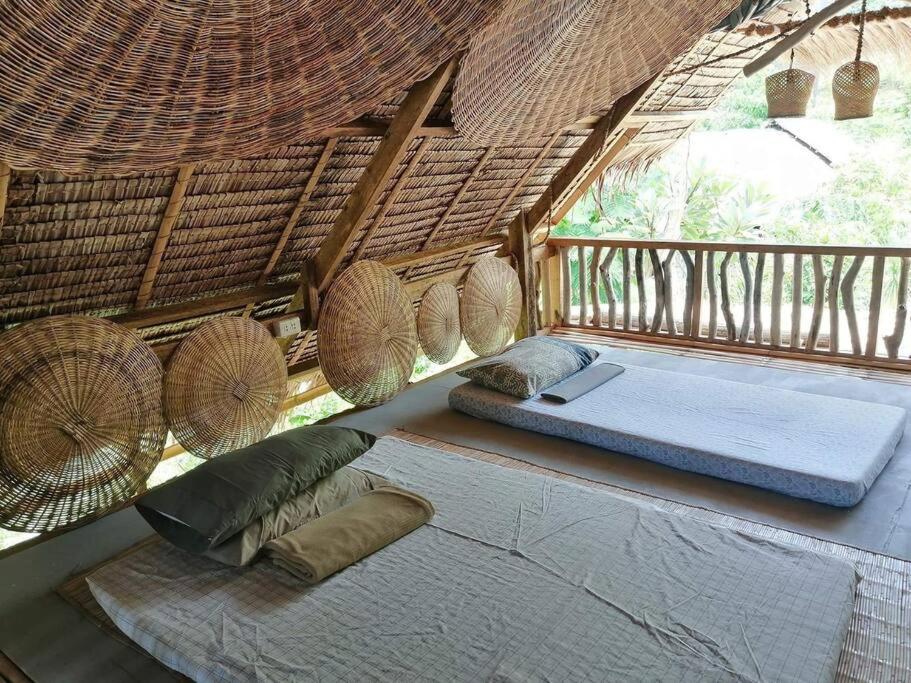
x=211, y=503
x=326, y=495
x=530, y=366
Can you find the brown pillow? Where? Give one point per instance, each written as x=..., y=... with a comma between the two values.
x=324, y=496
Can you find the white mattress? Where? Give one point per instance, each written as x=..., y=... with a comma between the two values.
x=518, y=577
x=804, y=445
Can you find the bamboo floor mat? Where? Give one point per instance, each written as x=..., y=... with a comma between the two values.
x=878, y=646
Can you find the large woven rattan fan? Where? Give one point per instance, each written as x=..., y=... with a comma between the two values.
x=224, y=386
x=438, y=323
x=540, y=66
x=367, y=338
x=491, y=304
x=81, y=425
x=126, y=86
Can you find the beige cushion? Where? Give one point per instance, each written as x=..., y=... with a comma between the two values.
x=327, y=494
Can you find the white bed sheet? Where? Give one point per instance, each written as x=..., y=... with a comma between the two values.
x=518, y=577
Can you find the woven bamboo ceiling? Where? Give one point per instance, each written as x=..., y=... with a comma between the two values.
x=164, y=250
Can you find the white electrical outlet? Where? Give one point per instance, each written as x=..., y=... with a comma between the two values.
x=288, y=327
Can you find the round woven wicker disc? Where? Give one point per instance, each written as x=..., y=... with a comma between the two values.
x=224, y=386
x=540, y=66
x=136, y=85
x=491, y=303
x=367, y=339
x=438, y=323
x=81, y=425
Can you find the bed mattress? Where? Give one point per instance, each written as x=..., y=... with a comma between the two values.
x=518, y=577
x=822, y=448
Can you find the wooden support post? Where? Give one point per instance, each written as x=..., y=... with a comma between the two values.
x=520, y=247
x=876, y=296
x=847, y=296
x=777, y=285
x=696, y=322
x=302, y=202
x=893, y=341
x=403, y=129
x=797, y=301
x=834, y=279
x=595, y=286
x=165, y=228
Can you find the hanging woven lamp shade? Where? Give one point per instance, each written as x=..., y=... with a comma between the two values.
x=854, y=88
x=134, y=85
x=541, y=66
x=367, y=339
x=491, y=303
x=438, y=323
x=224, y=386
x=81, y=425
x=788, y=92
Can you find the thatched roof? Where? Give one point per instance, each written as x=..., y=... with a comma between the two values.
x=234, y=236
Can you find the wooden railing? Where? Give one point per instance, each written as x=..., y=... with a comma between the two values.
x=820, y=302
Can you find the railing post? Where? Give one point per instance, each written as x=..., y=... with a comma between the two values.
x=894, y=340
x=777, y=282
x=627, y=298
x=593, y=285
x=747, y=296
x=604, y=269
x=847, y=296
x=819, y=283
x=583, y=306
x=876, y=297
x=696, y=320
x=566, y=284
x=713, y=295
x=833, y=303
x=757, y=300
x=796, y=301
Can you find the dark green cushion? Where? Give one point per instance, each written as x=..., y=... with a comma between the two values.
x=207, y=505
x=530, y=366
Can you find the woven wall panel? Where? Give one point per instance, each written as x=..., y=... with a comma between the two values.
x=490, y=306
x=540, y=66
x=367, y=336
x=93, y=85
x=81, y=425
x=224, y=386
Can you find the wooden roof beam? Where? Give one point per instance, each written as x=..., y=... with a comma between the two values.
x=165, y=228
x=463, y=188
x=585, y=157
x=302, y=202
x=171, y=313
x=403, y=129
x=391, y=197
x=521, y=183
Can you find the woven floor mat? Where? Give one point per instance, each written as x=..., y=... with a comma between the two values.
x=878, y=646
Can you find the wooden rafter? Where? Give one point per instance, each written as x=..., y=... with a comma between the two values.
x=392, y=196
x=403, y=129
x=165, y=228
x=607, y=157
x=520, y=184
x=302, y=202
x=475, y=172
x=171, y=313
x=5, y=174
x=585, y=157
